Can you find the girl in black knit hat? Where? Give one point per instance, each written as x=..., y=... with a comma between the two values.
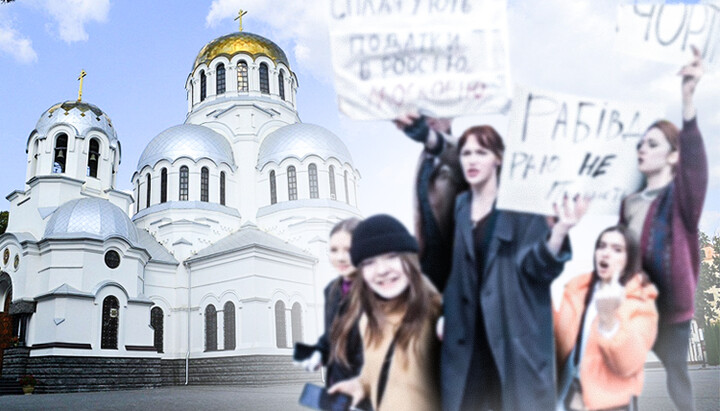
x=398, y=308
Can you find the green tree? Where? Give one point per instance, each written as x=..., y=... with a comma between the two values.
x=706, y=305
x=3, y=220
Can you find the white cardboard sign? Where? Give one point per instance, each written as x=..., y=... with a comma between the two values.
x=665, y=32
x=447, y=57
x=559, y=144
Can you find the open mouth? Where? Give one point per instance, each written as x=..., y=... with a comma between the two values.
x=603, y=265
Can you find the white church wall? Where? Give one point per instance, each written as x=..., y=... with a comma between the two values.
x=64, y=320
x=254, y=276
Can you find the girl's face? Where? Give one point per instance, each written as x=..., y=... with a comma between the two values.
x=479, y=164
x=610, y=256
x=385, y=275
x=339, y=253
x=655, y=152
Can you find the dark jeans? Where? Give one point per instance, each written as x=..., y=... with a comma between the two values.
x=671, y=346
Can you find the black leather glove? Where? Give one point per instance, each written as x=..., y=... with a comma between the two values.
x=418, y=130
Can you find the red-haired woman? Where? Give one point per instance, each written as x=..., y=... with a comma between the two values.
x=664, y=217
x=497, y=350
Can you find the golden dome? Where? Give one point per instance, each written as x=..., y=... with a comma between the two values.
x=241, y=42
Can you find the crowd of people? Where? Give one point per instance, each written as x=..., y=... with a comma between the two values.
x=460, y=316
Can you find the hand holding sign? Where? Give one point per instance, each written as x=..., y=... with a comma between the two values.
x=691, y=74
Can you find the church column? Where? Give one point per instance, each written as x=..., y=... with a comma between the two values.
x=220, y=320
x=288, y=328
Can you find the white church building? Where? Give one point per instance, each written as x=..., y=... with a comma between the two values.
x=212, y=267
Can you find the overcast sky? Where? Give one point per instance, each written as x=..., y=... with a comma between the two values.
x=138, y=55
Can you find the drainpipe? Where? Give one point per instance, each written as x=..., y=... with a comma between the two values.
x=187, y=354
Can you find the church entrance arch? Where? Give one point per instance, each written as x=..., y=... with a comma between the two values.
x=6, y=323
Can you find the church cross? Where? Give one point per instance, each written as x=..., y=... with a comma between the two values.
x=241, y=13
x=82, y=75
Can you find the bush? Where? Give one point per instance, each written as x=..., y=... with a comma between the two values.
x=27, y=379
x=712, y=344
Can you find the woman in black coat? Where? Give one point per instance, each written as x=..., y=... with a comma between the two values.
x=497, y=350
x=335, y=304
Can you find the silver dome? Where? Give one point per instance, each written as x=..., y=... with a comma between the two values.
x=187, y=140
x=81, y=116
x=92, y=217
x=301, y=140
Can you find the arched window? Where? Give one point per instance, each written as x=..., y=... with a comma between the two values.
x=60, y=153
x=280, y=330
x=264, y=79
x=35, y=155
x=347, y=191
x=222, y=188
x=313, y=177
x=110, y=321
x=281, y=85
x=192, y=93
x=148, y=190
x=229, y=325
x=242, y=73
x=203, y=85
x=163, y=185
x=156, y=322
x=210, y=328
x=296, y=320
x=273, y=188
x=220, y=79
x=292, y=183
x=204, y=184
x=184, y=176
x=333, y=193
x=93, y=158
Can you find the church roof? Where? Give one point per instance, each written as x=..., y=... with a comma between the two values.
x=249, y=235
x=300, y=140
x=93, y=217
x=187, y=140
x=240, y=42
x=81, y=116
x=158, y=253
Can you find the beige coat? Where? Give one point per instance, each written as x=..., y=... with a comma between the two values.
x=412, y=382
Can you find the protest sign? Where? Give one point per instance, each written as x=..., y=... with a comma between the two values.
x=447, y=57
x=559, y=144
x=665, y=32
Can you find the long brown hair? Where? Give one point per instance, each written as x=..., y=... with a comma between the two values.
x=419, y=301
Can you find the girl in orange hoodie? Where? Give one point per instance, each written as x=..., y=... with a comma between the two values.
x=604, y=328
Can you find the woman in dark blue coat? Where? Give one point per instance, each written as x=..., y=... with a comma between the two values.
x=497, y=350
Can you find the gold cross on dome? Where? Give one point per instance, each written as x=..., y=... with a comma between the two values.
x=82, y=75
x=239, y=17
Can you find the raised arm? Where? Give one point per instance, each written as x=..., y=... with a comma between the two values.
x=691, y=74
x=418, y=127
x=691, y=174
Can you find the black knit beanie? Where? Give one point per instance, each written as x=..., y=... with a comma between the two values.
x=380, y=234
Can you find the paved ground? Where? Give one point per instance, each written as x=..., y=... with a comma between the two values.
x=706, y=383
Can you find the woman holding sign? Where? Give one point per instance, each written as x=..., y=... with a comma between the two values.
x=497, y=350
x=664, y=217
x=604, y=328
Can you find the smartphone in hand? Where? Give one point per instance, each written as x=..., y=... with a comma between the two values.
x=316, y=397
